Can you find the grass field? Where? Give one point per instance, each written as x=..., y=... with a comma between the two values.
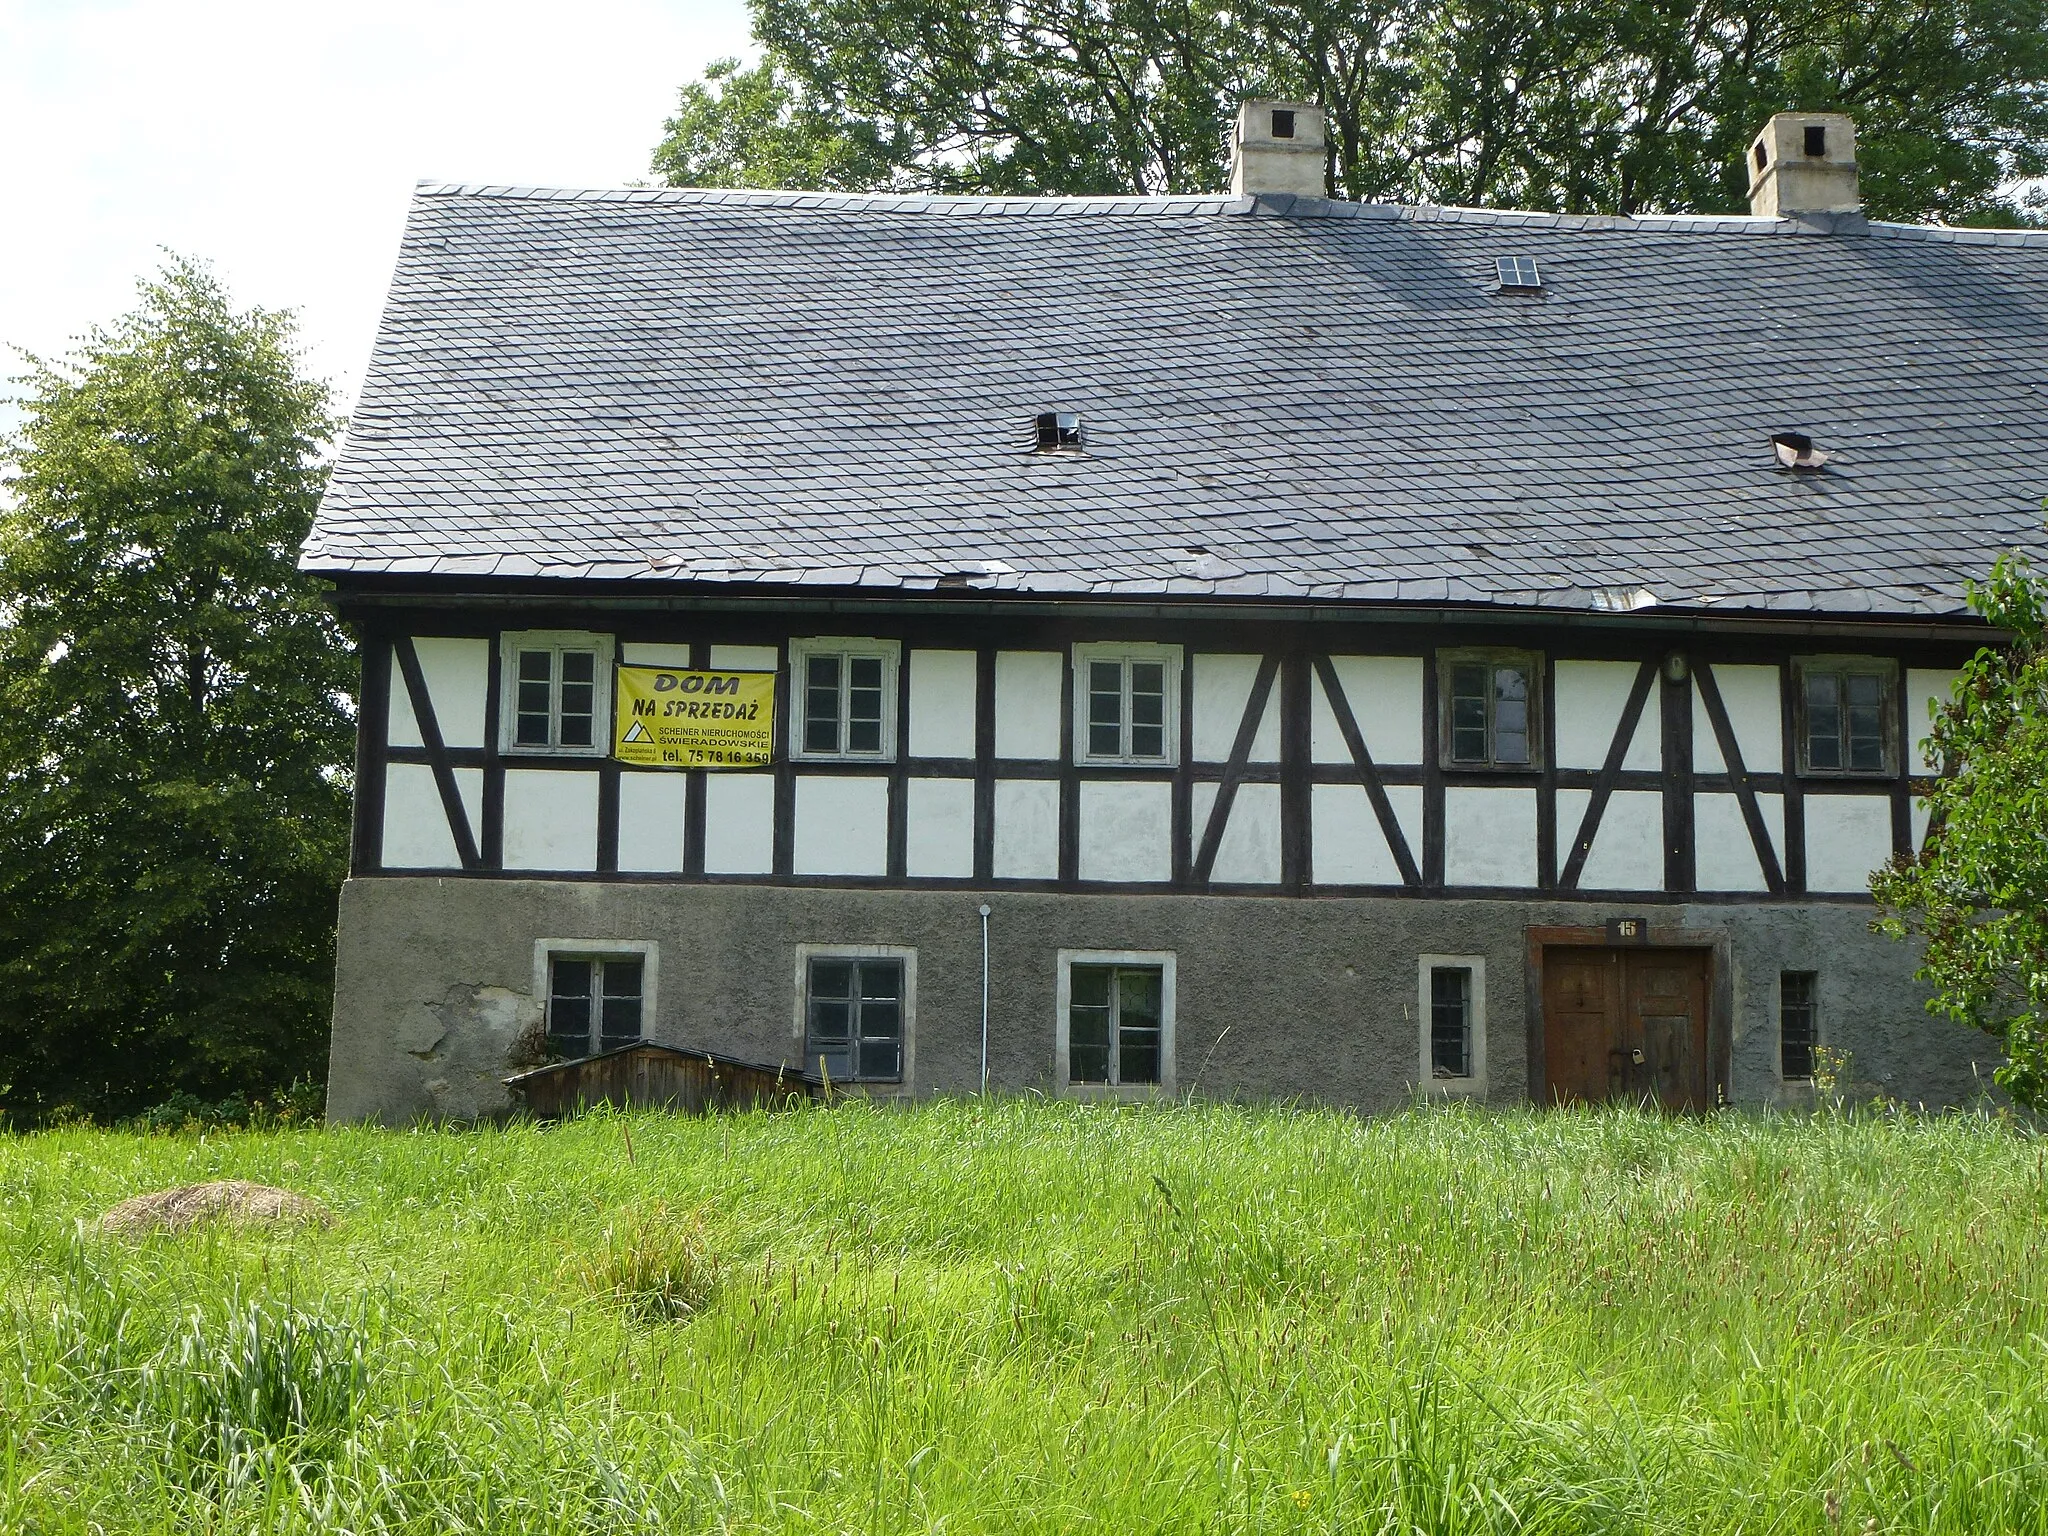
x=1021, y=1317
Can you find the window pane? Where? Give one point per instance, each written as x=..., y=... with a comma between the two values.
x=622, y=978
x=864, y=704
x=1105, y=709
x=821, y=704
x=535, y=691
x=1866, y=721
x=1148, y=709
x=881, y=1060
x=1088, y=1044
x=569, y=1007
x=832, y=978
x=1796, y=1023
x=579, y=695
x=1823, y=720
x=1468, y=713
x=1510, y=715
x=1137, y=1017
x=1450, y=1021
x=881, y=978
x=1089, y=986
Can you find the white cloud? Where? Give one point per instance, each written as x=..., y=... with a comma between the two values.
x=280, y=140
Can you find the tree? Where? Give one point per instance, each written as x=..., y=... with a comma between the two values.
x=1607, y=106
x=1978, y=894
x=175, y=716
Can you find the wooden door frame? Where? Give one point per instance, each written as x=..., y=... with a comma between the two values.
x=1720, y=993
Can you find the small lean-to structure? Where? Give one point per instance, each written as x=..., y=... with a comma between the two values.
x=1117, y=646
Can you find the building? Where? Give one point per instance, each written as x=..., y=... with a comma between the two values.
x=1246, y=644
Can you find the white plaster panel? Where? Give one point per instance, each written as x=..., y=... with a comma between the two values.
x=1249, y=851
x=550, y=819
x=1347, y=846
x=1628, y=850
x=1724, y=854
x=1028, y=703
x=1847, y=837
x=1126, y=831
x=842, y=825
x=1590, y=698
x=1923, y=691
x=1750, y=695
x=939, y=837
x=639, y=653
x=1223, y=686
x=744, y=658
x=416, y=834
x=1027, y=831
x=942, y=703
x=1920, y=821
x=739, y=823
x=651, y=822
x=1490, y=836
x=458, y=674
x=1385, y=695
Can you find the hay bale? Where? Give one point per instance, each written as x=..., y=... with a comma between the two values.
x=236, y=1201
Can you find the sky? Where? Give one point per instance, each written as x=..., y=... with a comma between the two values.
x=279, y=140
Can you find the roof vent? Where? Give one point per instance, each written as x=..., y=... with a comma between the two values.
x=1804, y=162
x=1059, y=430
x=1279, y=148
x=1795, y=450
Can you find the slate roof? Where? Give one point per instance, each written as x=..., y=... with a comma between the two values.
x=1283, y=398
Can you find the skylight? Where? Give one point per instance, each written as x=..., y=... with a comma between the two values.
x=1518, y=272
x=1059, y=429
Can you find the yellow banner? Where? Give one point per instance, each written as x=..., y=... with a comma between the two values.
x=667, y=718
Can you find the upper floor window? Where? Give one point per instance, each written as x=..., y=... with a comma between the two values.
x=1491, y=710
x=1847, y=707
x=1127, y=704
x=845, y=704
x=558, y=691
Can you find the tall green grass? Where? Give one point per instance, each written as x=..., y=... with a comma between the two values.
x=1023, y=1317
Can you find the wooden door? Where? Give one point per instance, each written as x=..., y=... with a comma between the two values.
x=1627, y=1024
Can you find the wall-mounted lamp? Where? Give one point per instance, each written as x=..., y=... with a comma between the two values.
x=1675, y=668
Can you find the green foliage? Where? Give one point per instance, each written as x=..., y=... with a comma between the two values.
x=1617, y=106
x=174, y=717
x=1022, y=1317
x=1978, y=894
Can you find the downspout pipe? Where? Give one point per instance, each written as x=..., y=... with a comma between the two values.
x=984, y=999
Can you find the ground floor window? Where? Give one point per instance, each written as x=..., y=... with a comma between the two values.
x=595, y=1003
x=1797, y=1021
x=1116, y=1021
x=1452, y=1008
x=854, y=1017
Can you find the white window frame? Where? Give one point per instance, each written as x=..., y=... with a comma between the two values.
x=1124, y=653
x=800, y=1018
x=1165, y=961
x=1474, y=1085
x=510, y=644
x=888, y=652
x=646, y=951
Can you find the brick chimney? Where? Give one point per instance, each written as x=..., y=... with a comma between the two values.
x=1279, y=147
x=1804, y=162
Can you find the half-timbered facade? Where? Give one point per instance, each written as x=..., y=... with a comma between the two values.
x=1250, y=644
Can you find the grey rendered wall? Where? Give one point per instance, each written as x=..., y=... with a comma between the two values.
x=1309, y=999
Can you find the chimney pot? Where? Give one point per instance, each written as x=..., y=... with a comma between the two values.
x=1802, y=163
x=1279, y=147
